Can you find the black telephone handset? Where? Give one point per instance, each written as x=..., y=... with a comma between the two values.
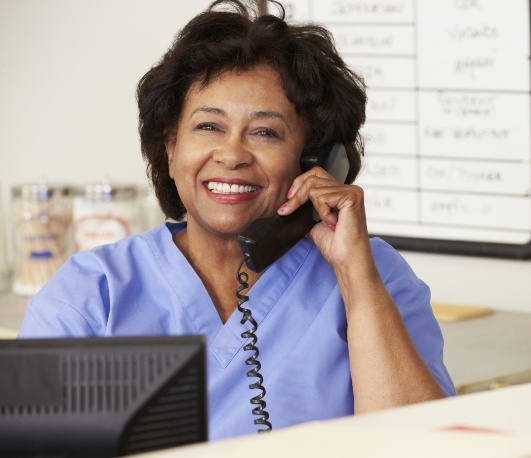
x=266, y=239
x=262, y=243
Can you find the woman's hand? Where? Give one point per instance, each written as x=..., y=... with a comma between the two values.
x=342, y=233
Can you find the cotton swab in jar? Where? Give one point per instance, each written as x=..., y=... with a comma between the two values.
x=42, y=216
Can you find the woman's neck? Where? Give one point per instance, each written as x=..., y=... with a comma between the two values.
x=216, y=262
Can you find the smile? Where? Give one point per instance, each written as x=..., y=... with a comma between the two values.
x=226, y=188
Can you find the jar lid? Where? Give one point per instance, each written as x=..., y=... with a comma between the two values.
x=40, y=191
x=106, y=191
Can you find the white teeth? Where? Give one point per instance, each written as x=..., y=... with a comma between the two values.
x=225, y=188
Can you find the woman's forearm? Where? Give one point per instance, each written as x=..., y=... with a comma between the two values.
x=387, y=370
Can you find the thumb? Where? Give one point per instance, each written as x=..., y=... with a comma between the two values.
x=321, y=234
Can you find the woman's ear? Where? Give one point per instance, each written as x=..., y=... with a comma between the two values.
x=169, y=143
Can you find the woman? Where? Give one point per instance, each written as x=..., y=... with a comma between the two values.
x=344, y=325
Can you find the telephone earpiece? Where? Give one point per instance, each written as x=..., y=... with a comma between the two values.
x=334, y=160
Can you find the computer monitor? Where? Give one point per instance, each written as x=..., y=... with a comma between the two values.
x=101, y=397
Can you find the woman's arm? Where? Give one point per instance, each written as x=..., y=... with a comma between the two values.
x=386, y=368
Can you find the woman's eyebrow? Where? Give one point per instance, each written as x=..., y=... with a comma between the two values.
x=271, y=114
x=207, y=109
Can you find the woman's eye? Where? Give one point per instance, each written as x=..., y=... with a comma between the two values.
x=206, y=126
x=267, y=132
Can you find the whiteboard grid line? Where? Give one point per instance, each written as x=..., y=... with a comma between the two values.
x=448, y=192
x=449, y=226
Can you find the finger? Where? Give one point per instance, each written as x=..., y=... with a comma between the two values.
x=351, y=221
x=331, y=200
x=323, y=200
x=299, y=192
x=318, y=172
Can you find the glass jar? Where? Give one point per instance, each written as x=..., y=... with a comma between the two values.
x=103, y=213
x=42, y=217
x=150, y=213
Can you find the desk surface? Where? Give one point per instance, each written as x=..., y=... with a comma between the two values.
x=488, y=347
x=476, y=350
x=491, y=424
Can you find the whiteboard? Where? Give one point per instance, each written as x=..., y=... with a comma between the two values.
x=448, y=131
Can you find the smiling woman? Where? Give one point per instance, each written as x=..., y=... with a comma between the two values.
x=239, y=131
x=227, y=116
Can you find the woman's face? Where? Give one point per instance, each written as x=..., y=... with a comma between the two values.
x=236, y=150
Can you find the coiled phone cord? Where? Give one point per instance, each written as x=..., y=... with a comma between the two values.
x=258, y=400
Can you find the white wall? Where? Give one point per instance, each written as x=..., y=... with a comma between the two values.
x=498, y=283
x=68, y=72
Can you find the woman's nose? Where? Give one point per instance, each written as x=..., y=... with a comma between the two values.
x=233, y=154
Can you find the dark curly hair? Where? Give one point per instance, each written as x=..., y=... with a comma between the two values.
x=328, y=96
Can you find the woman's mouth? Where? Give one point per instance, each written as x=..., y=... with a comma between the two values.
x=226, y=188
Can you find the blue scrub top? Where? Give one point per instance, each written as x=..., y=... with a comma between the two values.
x=143, y=285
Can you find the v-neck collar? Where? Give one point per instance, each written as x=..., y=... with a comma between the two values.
x=224, y=340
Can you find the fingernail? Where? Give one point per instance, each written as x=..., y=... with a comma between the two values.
x=282, y=208
x=291, y=191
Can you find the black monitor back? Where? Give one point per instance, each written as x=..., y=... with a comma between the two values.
x=101, y=397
